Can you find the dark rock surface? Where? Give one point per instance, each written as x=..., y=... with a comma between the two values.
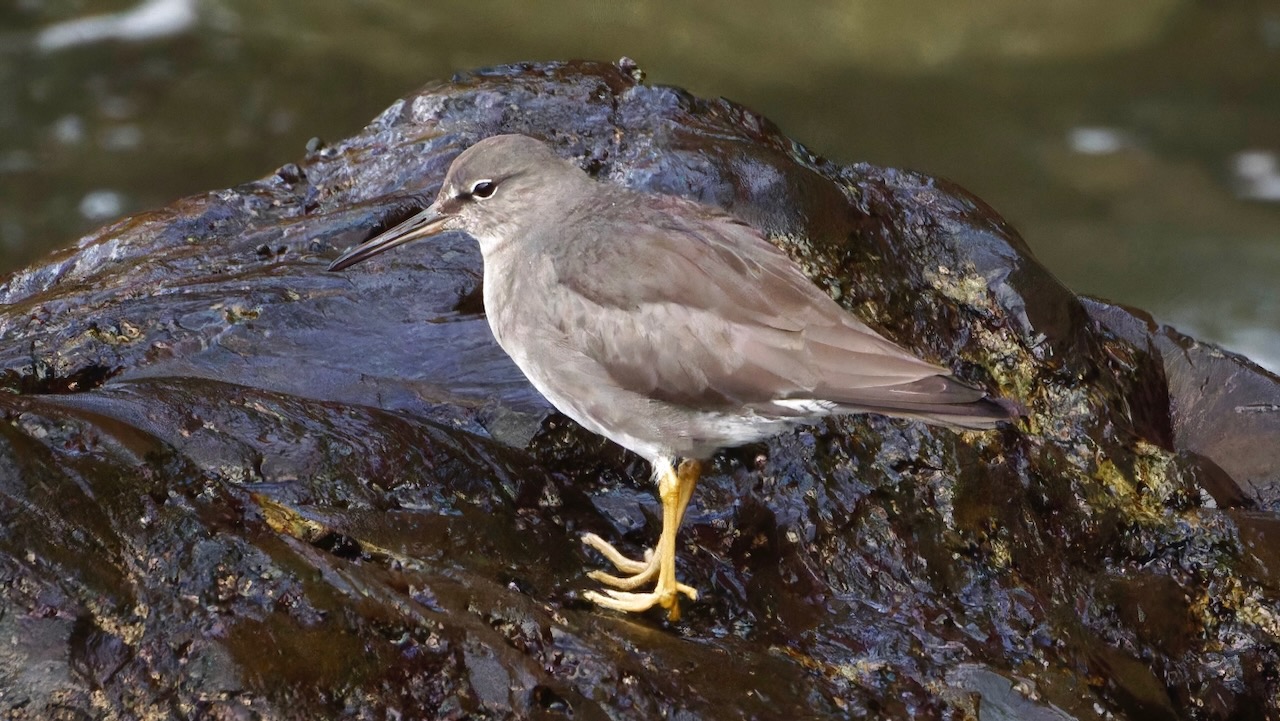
x=235, y=486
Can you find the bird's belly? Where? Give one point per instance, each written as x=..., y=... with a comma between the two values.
x=546, y=349
x=651, y=428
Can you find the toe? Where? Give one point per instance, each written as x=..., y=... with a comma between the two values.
x=619, y=561
x=628, y=583
x=622, y=601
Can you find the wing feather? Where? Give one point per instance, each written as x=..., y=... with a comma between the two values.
x=698, y=309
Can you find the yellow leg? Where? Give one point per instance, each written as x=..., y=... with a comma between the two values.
x=675, y=488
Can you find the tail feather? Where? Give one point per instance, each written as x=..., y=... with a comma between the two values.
x=940, y=400
x=982, y=414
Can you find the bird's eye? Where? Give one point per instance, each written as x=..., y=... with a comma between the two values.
x=483, y=188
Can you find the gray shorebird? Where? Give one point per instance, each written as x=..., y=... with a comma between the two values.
x=667, y=326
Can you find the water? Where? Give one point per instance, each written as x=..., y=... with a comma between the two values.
x=1135, y=145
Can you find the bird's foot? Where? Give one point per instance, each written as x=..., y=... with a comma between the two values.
x=621, y=597
x=659, y=565
x=641, y=572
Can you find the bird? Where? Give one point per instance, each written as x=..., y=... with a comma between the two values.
x=668, y=326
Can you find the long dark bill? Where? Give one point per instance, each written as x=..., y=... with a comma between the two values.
x=424, y=224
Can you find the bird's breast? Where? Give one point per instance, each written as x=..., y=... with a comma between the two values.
x=516, y=294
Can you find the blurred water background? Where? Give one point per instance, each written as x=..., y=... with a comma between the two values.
x=1136, y=145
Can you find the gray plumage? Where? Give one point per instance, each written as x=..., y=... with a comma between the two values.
x=667, y=326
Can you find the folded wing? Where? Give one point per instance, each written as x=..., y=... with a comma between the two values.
x=711, y=316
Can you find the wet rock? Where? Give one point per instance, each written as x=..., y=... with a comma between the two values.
x=233, y=485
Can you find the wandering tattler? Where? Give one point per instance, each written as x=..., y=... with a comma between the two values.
x=667, y=326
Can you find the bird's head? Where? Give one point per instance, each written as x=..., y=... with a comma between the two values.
x=490, y=190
